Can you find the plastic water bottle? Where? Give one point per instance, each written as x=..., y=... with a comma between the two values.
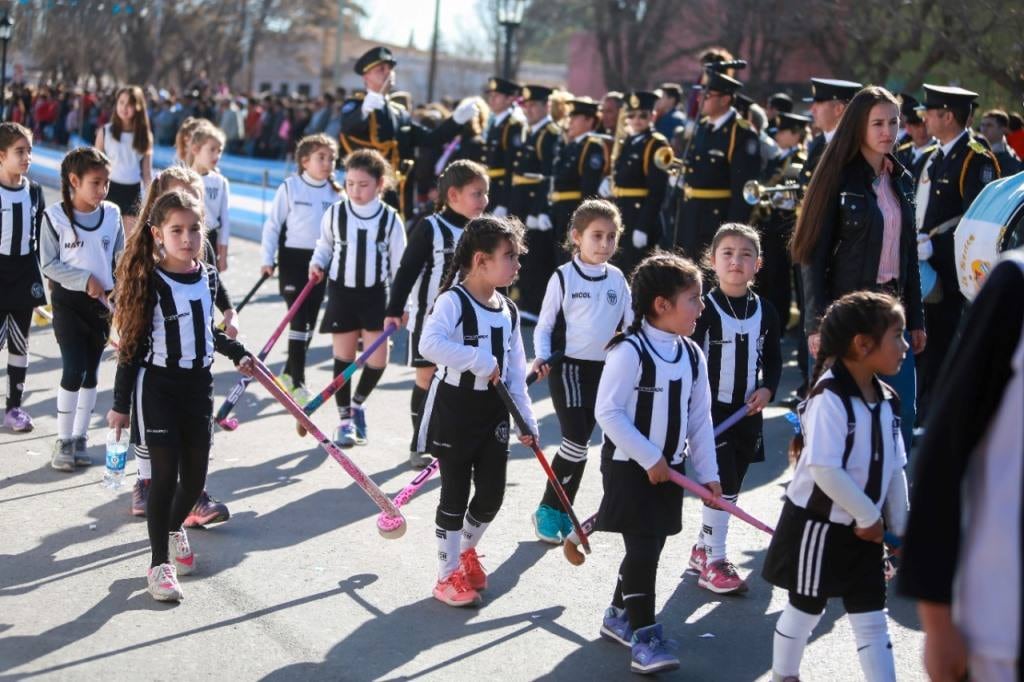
x=117, y=453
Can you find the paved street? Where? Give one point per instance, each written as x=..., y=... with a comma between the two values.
x=298, y=585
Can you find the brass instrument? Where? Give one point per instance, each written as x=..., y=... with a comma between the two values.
x=619, y=137
x=777, y=196
x=666, y=160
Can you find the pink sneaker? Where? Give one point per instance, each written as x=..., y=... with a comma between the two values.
x=455, y=591
x=699, y=558
x=17, y=420
x=162, y=583
x=181, y=554
x=721, y=577
x=469, y=564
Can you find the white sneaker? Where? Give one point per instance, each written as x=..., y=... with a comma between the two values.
x=162, y=583
x=180, y=553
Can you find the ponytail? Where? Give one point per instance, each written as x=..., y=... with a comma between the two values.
x=482, y=235
x=78, y=162
x=457, y=175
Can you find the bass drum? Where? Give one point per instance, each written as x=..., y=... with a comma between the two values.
x=994, y=223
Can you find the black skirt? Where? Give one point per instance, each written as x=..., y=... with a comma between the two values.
x=632, y=505
x=818, y=558
x=127, y=197
x=21, y=282
x=744, y=435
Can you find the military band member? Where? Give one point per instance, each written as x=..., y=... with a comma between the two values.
x=528, y=197
x=581, y=162
x=504, y=136
x=779, y=103
x=994, y=123
x=637, y=185
x=828, y=101
x=371, y=120
x=668, y=118
x=952, y=177
x=916, y=143
x=724, y=155
x=610, y=107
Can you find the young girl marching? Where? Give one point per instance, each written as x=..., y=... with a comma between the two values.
x=848, y=486
x=21, y=202
x=654, y=406
x=587, y=301
x=128, y=143
x=207, y=509
x=80, y=243
x=206, y=143
x=362, y=240
x=472, y=334
x=739, y=334
x=164, y=316
x=462, y=196
x=289, y=236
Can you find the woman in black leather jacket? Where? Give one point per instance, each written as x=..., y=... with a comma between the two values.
x=840, y=238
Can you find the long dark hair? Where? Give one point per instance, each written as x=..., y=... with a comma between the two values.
x=824, y=186
x=483, y=235
x=78, y=161
x=142, y=138
x=660, y=274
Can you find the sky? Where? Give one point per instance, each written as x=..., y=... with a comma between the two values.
x=394, y=20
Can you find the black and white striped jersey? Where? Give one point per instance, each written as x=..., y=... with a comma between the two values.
x=21, y=213
x=216, y=204
x=740, y=339
x=294, y=221
x=182, y=333
x=431, y=248
x=71, y=251
x=584, y=306
x=467, y=340
x=840, y=430
x=363, y=245
x=654, y=401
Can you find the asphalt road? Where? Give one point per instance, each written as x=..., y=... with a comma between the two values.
x=298, y=585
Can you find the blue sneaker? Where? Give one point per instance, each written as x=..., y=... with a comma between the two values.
x=650, y=652
x=359, y=419
x=345, y=435
x=565, y=523
x=616, y=626
x=547, y=523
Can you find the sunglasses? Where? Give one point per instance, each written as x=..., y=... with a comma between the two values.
x=637, y=114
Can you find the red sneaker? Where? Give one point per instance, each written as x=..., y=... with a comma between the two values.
x=455, y=591
x=721, y=577
x=469, y=564
x=699, y=558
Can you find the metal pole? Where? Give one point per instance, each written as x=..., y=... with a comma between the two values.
x=509, y=30
x=337, y=42
x=433, y=51
x=3, y=84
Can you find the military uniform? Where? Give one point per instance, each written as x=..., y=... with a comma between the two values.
x=504, y=136
x=576, y=173
x=824, y=90
x=719, y=162
x=638, y=187
x=528, y=200
x=949, y=182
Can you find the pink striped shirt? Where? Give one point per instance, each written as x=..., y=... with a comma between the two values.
x=892, y=218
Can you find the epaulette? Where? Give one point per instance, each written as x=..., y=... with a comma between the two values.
x=743, y=123
x=977, y=147
x=930, y=148
x=905, y=145
x=359, y=95
x=553, y=128
x=658, y=136
x=602, y=137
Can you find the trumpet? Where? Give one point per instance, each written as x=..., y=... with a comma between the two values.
x=667, y=161
x=754, y=193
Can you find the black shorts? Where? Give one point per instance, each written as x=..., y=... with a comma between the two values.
x=127, y=197
x=350, y=310
x=21, y=282
x=78, y=318
x=465, y=424
x=172, y=408
x=738, y=447
x=632, y=505
x=820, y=559
x=415, y=359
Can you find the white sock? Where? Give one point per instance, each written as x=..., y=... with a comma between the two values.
x=871, y=631
x=67, y=401
x=472, y=531
x=142, y=460
x=791, y=633
x=447, y=552
x=86, y=401
x=716, y=529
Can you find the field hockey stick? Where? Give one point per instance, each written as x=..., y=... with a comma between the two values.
x=524, y=429
x=263, y=278
x=385, y=523
x=340, y=380
x=569, y=547
x=552, y=359
x=703, y=493
x=264, y=376
x=110, y=309
x=42, y=316
x=236, y=393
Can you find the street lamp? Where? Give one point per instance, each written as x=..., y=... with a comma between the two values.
x=510, y=17
x=6, y=30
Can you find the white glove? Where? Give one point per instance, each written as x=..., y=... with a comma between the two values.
x=465, y=111
x=605, y=190
x=499, y=212
x=372, y=100
x=639, y=239
x=544, y=222
x=924, y=247
x=531, y=222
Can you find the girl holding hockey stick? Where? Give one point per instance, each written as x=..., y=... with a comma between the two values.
x=739, y=334
x=461, y=197
x=654, y=406
x=586, y=302
x=165, y=296
x=361, y=243
x=848, y=486
x=473, y=335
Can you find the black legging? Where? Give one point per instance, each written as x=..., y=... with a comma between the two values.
x=638, y=573
x=81, y=364
x=179, y=475
x=487, y=474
